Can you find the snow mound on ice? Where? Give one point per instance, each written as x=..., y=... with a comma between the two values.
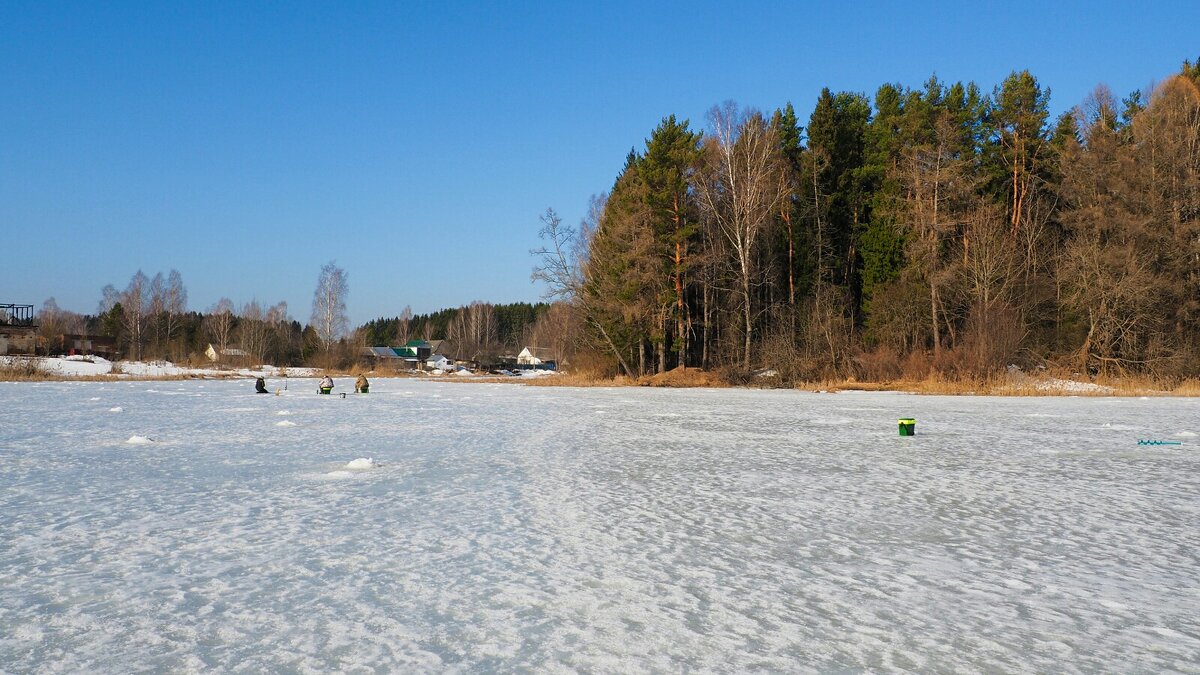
x=116, y=409
x=139, y=440
x=362, y=463
x=285, y=423
x=76, y=365
x=152, y=368
x=1054, y=384
x=1186, y=434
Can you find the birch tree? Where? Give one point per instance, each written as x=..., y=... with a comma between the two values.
x=329, y=305
x=218, y=324
x=134, y=303
x=742, y=187
x=253, y=331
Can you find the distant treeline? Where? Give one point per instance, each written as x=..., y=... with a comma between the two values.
x=149, y=320
x=477, y=326
x=937, y=229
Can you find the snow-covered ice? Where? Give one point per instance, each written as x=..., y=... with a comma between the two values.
x=362, y=463
x=91, y=366
x=508, y=528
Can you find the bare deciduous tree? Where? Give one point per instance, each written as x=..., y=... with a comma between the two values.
x=329, y=305
x=743, y=183
x=253, y=332
x=404, y=325
x=134, y=304
x=473, y=329
x=53, y=323
x=562, y=261
x=174, y=305
x=933, y=184
x=218, y=324
x=155, y=308
x=282, y=341
x=554, y=331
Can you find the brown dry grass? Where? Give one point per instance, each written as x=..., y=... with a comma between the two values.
x=684, y=378
x=1004, y=385
x=22, y=371
x=679, y=378
x=932, y=383
x=573, y=380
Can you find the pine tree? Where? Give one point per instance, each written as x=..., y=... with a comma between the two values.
x=665, y=171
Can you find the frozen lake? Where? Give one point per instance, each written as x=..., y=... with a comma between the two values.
x=509, y=528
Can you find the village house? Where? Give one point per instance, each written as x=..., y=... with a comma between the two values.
x=393, y=358
x=18, y=333
x=536, y=357
x=226, y=355
x=73, y=344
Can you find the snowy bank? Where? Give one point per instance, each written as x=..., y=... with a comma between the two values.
x=94, y=366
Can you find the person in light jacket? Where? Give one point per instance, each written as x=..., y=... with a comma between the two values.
x=361, y=385
x=326, y=385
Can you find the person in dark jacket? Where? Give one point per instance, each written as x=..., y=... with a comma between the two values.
x=260, y=386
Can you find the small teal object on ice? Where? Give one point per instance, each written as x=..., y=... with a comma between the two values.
x=1148, y=442
x=908, y=426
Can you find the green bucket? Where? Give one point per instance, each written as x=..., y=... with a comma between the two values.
x=908, y=426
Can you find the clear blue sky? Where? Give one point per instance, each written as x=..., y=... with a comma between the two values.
x=416, y=143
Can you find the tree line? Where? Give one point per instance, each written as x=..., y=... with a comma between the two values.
x=936, y=229
x=149, y=319
x=480, y=331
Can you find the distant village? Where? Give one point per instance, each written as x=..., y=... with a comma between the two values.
x=20, y=336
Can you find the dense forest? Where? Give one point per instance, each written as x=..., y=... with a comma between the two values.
x=938, y=230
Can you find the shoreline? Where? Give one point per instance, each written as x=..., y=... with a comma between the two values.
x=1010, y=384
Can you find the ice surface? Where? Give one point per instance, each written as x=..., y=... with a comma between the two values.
x=512, y=528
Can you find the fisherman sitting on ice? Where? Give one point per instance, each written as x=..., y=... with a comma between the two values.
x=326, y=385
x=260, y=386
x=361, y=385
